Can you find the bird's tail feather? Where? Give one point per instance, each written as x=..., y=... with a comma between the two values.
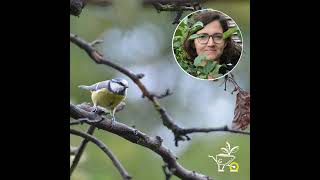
x=84, y=87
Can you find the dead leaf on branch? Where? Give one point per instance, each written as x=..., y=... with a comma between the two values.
x=242, y=111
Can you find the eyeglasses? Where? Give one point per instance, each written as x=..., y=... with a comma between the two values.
x=204, y=38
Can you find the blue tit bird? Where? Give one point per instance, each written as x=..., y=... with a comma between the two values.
x=108, y=94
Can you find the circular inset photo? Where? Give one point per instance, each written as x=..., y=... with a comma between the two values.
x=207, y=44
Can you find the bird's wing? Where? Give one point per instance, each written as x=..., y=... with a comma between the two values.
x=102, y=84
x=96, y=86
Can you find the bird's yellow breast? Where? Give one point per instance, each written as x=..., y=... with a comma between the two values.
x=106, y=99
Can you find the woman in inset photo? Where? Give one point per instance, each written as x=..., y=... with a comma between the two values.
x=205, y=44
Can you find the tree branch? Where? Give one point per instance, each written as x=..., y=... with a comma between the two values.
x=80, y=150
x=178, y=6
x=138, y=137
x=82, y=120
x=97, y=57
x=178, y=16
x=146, y=2
x=105, y=149
x=172, y=7
x=165, y=94
x=207, y=130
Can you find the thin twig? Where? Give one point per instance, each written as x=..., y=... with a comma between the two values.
x=172, y=1
x=96, y=42
x=170, y=7
x=80, y=150
x=105, y=149
x=207, y=130
x=231, y=79
x=165, y=94
x=178, y=16
x=76, y=122
x=178, y=7
x=147, y=2
x=167, y=172
x=157, y=6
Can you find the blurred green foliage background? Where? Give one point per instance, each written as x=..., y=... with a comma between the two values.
x=139, y=38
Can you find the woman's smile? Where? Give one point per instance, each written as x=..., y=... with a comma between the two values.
x=210, y=50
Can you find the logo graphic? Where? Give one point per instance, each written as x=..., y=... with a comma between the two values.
x=226, y=158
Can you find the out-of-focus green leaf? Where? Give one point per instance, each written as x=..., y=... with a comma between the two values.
x=199, y=59
x=196, y=27
x=209, y=66
x=229, y=32
x=194, y=36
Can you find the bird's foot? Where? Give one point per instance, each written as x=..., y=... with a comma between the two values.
x=95, y=109
x=113, y=119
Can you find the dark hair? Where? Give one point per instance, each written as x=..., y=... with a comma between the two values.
x=231, y=52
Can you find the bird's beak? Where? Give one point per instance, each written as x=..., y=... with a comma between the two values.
x=126, y=86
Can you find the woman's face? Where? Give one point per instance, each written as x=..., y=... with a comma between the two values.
x=211, y=49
